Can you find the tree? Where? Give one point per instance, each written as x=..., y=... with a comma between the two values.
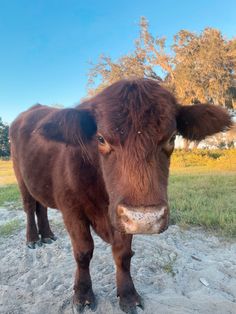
x=153, y=50
x=136, y=64
x=198, y=67
x=4, y=140
x=203, y=67
x=108, y=71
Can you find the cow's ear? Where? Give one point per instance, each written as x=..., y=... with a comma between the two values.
x=199, y=121
x=70, y=126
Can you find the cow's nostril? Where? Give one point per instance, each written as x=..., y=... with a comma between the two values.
x=164, y=212
x=120, y=210
x=164, y=228
x=125, y=218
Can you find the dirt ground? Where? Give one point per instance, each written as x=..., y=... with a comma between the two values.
x=179, y=271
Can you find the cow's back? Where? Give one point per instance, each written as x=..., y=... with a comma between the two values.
x=27, y=122
x=27, y=152
x=44, y=166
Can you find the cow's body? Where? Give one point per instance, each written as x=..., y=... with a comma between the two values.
x=104, y=164
x=50, y=173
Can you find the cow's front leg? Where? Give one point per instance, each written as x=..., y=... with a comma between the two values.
x=82, y=243
x=122, y=253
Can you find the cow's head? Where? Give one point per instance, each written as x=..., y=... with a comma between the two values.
x=134, y=124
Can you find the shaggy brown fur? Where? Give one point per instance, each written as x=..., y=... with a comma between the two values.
x=113, y=149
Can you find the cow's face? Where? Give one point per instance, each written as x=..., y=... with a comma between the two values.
x=135, y=173
x=135, y=139
x=134, y=124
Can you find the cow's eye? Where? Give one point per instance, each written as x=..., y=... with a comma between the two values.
x=168, y=146
x=101, y=139
x=172, y=139
x=103, y=146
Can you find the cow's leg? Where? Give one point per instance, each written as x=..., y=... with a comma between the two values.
x=82, y=243
x=45, y=231
x=29, y=203
x=122, y=253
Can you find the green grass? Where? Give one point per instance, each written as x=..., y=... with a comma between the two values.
x=168, y=268
x=204, y=200
x=9, y=227
x=207, y=200
x=9, y=194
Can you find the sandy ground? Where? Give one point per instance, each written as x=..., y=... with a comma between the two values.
x=176, y=272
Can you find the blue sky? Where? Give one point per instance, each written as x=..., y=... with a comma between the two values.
x=46, y=45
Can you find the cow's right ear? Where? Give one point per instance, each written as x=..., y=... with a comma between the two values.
x=70, y=126
x=199, y=121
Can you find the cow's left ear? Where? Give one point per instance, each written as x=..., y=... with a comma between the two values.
x=199, y=121
x=69, y=126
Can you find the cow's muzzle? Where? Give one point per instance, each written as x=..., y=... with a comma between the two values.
x=143, y=220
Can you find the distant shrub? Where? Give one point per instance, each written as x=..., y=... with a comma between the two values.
x=214, y=155
x=4, y=140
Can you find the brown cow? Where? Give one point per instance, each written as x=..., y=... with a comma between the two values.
x=104, y=164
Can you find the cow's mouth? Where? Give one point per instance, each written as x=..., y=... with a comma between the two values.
x=143, y=220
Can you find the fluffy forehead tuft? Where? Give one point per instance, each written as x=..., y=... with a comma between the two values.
x=131, y=107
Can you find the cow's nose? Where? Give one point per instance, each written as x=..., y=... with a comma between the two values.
x=165, y=227
x=144, y=219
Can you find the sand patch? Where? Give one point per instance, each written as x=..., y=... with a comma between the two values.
x=175, y=272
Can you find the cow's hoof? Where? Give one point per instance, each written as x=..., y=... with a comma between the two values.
x=79, y=307
x=79, y=303
x=49, y=240
x=53, y=237
x=34, y=244
x=129, y=304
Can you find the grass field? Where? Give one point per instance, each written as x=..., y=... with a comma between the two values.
x=201, y=189
x=9, y=227
x=9, y=194
x=207, y=200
